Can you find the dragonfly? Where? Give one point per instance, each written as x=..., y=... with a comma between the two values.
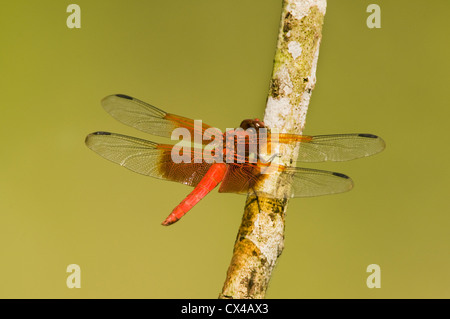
x=243, y=175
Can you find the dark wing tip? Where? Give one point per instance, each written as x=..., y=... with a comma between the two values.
x=124, y=96
x=368, y=135
x=341, y=175
x=380, y=141
x=95, y=133
x=100, y=133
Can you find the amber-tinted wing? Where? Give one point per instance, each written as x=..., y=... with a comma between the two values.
x=145, y=157
x=150, y=119
x=241, y=178
x=304, y=182
x=337, y=147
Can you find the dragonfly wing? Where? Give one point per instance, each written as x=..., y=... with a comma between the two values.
x=303, y=182
x=337, y=147
x=146, y=157
x=307, y=182
x=240, y=178
x=148, y=118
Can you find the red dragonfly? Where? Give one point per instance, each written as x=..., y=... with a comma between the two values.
x=241, y=177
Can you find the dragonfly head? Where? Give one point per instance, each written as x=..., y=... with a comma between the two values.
x=256, y=124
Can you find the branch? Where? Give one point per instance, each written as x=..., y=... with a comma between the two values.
x=260, y=239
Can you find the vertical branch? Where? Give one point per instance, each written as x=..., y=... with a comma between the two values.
x=260, y=239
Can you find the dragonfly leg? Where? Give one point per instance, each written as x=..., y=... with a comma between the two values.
x=257, y=199
x=270, y=159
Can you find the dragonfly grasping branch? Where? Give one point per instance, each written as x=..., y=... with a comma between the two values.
x=260, y=238
x=271, y=180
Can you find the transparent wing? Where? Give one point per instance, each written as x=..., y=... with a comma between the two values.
x=311, y=182
x=145, y=157
x=148, y=118
x=337, y=147
x=299, y=182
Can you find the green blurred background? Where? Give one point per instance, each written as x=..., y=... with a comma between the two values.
x=61, y=203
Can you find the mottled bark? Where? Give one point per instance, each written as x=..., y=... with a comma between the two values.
x=260, y=239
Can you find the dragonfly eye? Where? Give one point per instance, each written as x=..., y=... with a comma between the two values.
x=245, y=124
x=256, y=124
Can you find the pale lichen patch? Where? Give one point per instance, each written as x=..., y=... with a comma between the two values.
x=295, y=49
x=276, y=111
x=261, y=237
x=299, y=8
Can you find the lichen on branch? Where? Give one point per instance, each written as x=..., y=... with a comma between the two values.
x=260, y=239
